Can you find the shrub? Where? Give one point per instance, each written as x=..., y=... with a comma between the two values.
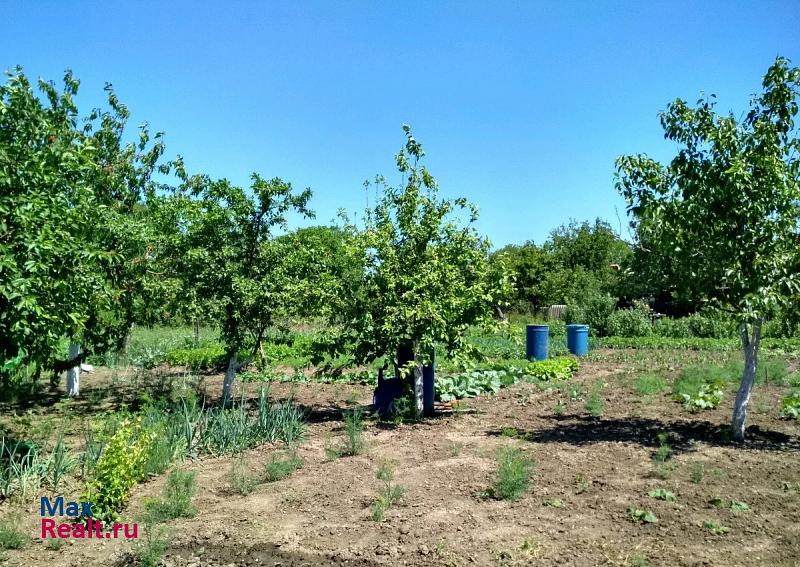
x=513, y=474
x=594, y=310
x=207, y=357
x=634, y=322
x=119, y=468
x=708, y=396
x=712, y=325
x=672, y=328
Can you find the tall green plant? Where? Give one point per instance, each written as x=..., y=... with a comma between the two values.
x=725, y=209
x=426, y=276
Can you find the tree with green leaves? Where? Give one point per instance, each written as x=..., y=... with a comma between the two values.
x=426, y=276
x=227, y=252
x=72, y=226
x=726, y=209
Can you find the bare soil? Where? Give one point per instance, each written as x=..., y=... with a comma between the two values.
x=597, y=467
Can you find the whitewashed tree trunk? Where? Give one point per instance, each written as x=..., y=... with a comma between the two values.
x=418, y=389
x=750, y=346
x=74, y=373
x=230, y=377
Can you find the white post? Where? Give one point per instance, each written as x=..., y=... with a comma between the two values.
x=230, y=376
x=74, y=373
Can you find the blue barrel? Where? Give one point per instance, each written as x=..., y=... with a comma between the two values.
x=536, y=338
x=578, y=339
x=428, y=388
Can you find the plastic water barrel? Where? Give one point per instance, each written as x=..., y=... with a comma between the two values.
x=578, y=339
x=536, y=340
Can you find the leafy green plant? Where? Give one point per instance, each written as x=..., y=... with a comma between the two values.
x=119, y=468
x=176, y=501
x=389, y=493
x=240, y=477
x=278, y=468
x=555, y=503
x=715, y=527
x=663, y=452
x=582, y=483
x=708, y=396
x=639, y=516
x=790, y=406
x=662, y=494
x=354, y=443
x=649, y=385
x=513, y=474
x=11, y=534
x=697, y=472
x=594, y=402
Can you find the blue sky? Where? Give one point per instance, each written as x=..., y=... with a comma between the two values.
x=521, y=106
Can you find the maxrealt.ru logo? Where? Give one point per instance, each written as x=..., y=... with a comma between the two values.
x=91, y=529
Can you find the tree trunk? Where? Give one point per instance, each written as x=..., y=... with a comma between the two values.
x=417, y=382
x=74, y=372
x=196, y=333
x=230, y=377
x=750, y=347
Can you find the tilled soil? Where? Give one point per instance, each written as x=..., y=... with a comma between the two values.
x=598, y=467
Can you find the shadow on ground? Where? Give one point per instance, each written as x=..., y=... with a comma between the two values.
x=681, y=435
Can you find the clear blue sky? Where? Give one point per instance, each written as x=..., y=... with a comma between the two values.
x=522, y=107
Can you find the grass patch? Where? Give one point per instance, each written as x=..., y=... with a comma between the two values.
x=278, y=468
x=354, y=443
x=513, y=474
x=649, y=385
x=242, y=481
x=176, y=501
x=11, y=534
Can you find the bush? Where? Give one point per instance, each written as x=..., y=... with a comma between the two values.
x=712, y=325
x=593, y=310
x=633, y=322
x=672, y=328
x=209, y=357
x=120, y=467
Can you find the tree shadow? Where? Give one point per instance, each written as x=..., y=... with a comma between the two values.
x=681, y=435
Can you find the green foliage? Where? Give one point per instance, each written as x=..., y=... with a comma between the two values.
x=60, y=463
x=176, y=501
x=84, y=276
x=389, y=493
x=697, y=473
x=278, y=468
x=594, y=402
x=240, y=477
x=489, y=381
x=209, y=357
x=354, y=443
x=786, y=346
x=662, y=494
x=715, y=527
x=593, y=309
x=12, y=535
x=513, y=474
x=555, y=503
x=151, y=547
x=790, y=405
x=120, y=467
x=649, y=385
x=722, y=216
x=708, y=396
x=634, y=322
x=663, y=452
x=426, y=277
x=639, y=516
